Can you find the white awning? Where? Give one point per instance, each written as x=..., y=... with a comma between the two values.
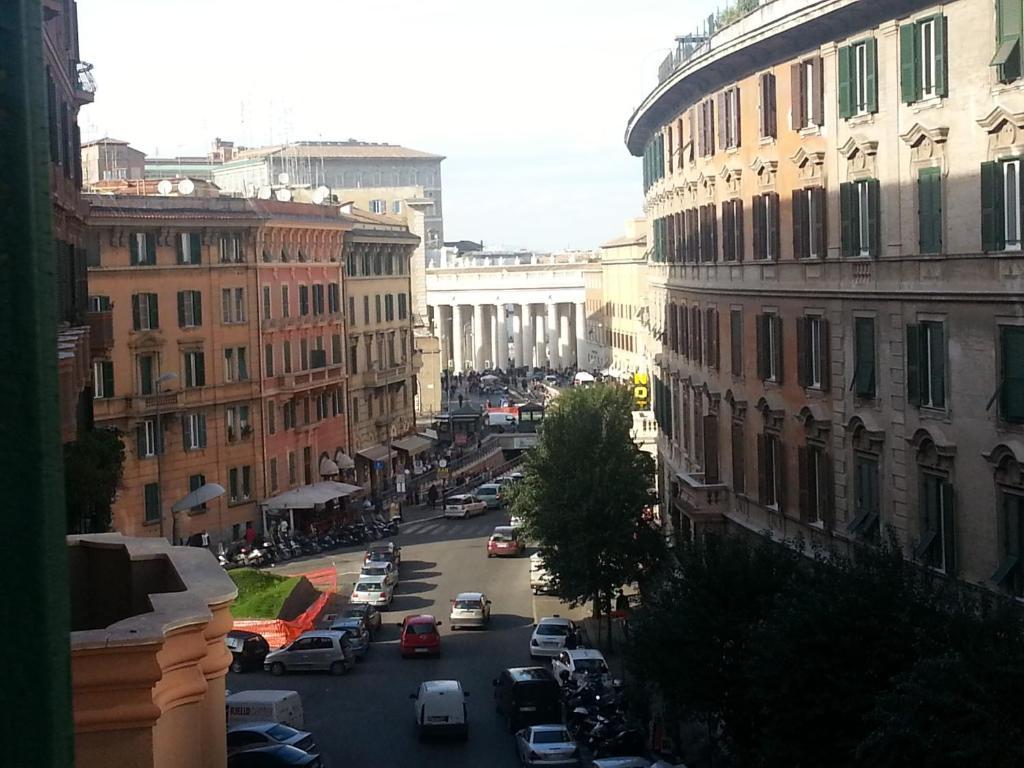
x=375, y=452
x=413, y=444
x=343, y=460
x=308, y=496
x=200, y=495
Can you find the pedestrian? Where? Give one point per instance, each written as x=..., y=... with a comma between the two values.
x=621, y=602
x=250, y=533
x=572, y=640
x=432, y=496
x=204, y=538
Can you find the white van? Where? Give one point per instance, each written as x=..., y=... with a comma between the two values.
x=441, y=708
x=262, y=706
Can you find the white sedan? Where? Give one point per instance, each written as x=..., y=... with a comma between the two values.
x=549, y=636
x=578, y=663
x=464, y=505
x=541, y=745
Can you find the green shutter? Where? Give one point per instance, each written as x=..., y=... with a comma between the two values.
x=993, y=228
x=181, y=309
x=1011, y=387
x=108, y=378
x=913, y=357
x=929, y=202
x=874, y=217
x=196, y=248
x=154, y=314
x=871, y=79
x=941, y=66
x=136, y=313
x=803, y=353
x=1010, y=25
x=845, y=98
x=848, y=218
x=937, y=363
x=133, y=249
x=179, y=247
x=910, y=64
x=150, y=248
x=864, y=339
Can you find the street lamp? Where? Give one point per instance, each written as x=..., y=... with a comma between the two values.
x=160, y=380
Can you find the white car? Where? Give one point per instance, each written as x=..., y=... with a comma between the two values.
x=440, y=707
x=542, y=745
x=549, y=635
x=515, y=521
x=540, y=579
x=464, y=505
x=470, y=609
x=578, y=663
x=385, y=569
x=371, y=590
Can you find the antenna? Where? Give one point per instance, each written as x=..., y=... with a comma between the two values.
x=283, y=195
x=264, y=193
x=164, y=187
x=186, y=187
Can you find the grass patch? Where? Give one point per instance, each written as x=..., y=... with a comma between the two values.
x=260, y=595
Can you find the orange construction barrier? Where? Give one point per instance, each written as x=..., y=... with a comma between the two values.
x=279, y=632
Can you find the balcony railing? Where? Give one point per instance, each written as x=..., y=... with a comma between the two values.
x=85, y=83
x=702, y=499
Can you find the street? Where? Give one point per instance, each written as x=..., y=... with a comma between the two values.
x=366, y=716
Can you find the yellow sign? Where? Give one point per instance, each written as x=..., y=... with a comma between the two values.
x=641, y=394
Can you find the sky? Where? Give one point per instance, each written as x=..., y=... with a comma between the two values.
x=528, y=102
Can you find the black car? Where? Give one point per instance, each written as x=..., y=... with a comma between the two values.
x=369, y=615
x=248, y=649
x=528, y=696
x=277, y=756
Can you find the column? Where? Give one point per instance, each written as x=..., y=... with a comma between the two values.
x=492, y=335
x=540, y=339
x=565, y=344
x=456, y=341
x=526, y=340
x=581, y=335
x=478, y=337
x=501, y=338
x=554, y=360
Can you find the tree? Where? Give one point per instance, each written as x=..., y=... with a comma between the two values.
x=93, y=465
x=584, y=496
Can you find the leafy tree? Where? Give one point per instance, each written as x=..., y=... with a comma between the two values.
x=93, y=465
x=584, y=495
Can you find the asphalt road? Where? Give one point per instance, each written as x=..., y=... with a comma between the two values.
x=366, y=717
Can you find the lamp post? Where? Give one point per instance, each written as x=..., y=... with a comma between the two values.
x=159, y=434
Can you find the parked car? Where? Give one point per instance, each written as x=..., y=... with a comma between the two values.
x=620, y=762
x=420, y=636
x=490, y=494
x=549, y=635
x=369, y=615
x=540, y=579
x=320, y=650
x=579, y=662
x=527, y=696
x=265, y=706
x=380, y=556
x=248, y=649
x=504, y=542
x=542, y=745
x=464, y=505
x=357, y=633
x=262, y=734
x=388, y=548
x=276, y=756
x=373, y=590
x=470, y=609
x=385, y=569
x=440, y=707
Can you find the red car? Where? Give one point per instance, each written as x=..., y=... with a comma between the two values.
x=420, y=636
x=504, y=541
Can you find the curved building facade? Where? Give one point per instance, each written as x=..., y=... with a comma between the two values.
x=834, y=200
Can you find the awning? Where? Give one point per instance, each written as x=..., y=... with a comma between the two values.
x=375, y=453
x=413, y=444
x=308, y=496
x=343, y=460
x=200, y=495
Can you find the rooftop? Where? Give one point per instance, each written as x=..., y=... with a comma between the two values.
x=350, y=149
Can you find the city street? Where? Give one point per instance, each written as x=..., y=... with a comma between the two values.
x=366, y=717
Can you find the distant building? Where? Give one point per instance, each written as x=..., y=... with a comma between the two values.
x=110, y=159
x=191, y=167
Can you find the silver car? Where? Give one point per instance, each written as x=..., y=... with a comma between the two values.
x=357, y=633
x=322, y=650
x=470, y=609
x=542, y=745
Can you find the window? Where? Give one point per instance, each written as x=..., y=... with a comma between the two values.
x=189, y=248
x=273, y=474
x=142, y=249
x=366, y=310
x=809, y=223
x=708, y=218
x=808, y=105
x=403, y=306
x=1010, y=26
x=926, y=365
x=337, y=403
x=814, y=469
x=333, y=298
x=147, y=439
x=196, y=482
x=864, y=357
x=1001, y=195
x=100, y=304
x=706, y=131
x=267, y=308
x=231, y=249
x=286, y=353
x=376, y=303
x=768, y=124
x=271, y=418
x=736, y=341
x=739, y=480
x=236, y=367
x=352, y=310
x=336, y=350
x=102, y=379
x=232, y=305
x=769, y=348
x=732, y=230
x=923, y=59
x=378, y=206
x=936, y=547
x=812, y=352
x=860, y=217
x=190, y=309
x=147, y=373
x=303, y=300
x=729, y=118
x=771, y=471
x=396, y=206
x=285, y=301
x=929, y=210
x=291, y=467
x=233, y=490
x=866, y=523
x=268, y=360
x=318, y=299
x=303, y=354
x=389, y=307
x=1011, y=374
x=288, y=414
x=711, y=326
x=145, y=312
x=193, y=431
x=237, y=420
x=1010, y=574
x=321, y=406
x=765, y=215
x=194, y=369
x=151, y=497
x=858, y=79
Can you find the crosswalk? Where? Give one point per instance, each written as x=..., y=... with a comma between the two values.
x=474, y=526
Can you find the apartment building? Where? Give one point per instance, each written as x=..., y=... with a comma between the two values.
x=833, y=196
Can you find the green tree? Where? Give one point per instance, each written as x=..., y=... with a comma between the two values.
x=93, y=465
x=583, y=499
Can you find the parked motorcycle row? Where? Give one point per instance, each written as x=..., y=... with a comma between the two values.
x=595, y=716
x=278, y=549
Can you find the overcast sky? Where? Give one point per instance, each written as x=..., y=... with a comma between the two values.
x=528, y=102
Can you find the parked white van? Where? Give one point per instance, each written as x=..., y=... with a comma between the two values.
x=263, y=706
x=441, y=708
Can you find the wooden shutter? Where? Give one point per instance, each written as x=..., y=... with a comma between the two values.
x=871, y=79
x=107, y=369
x=775, y=328
x=910, y=63
x=1010, y=24
x=133, y=249
x=713, y=231
x=864, y=372
x=941, y=65
x=874, y=217
x=763, y=363
x=826, y=491
x=913, y=357
x=780, y=471
x=929, y=213
x=723, y=120
x=759, y=225
x=717, y=362
x=197, y=307
x=818, y=224
x=711, y=126
x=803, y=352
x=739, y=480
x=154, y=314
x=796, y=95
x=850, y=244
x=150, y=248
x=200, y=369
x=728, y=253
x=180, y=246
x=186, y=432
x=684, y=332
x=136, y=313
x=709, y=327
x=195, y=247
x=993, y=227
x=737, y=217
x=802, y=474
x=737, y=125
x=140, y=441
x=736, y=341
x=937, y=363
x=1011, y=385
x=818, y=91
x=773, y=224
x=843, y=82
x=711, y=470
x=825, y=352
x=762, y=468
x=800, y=213
x=181, y=309
x=949, y=528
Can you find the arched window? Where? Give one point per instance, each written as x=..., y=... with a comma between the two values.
x=814, y=469
x=936, y=544
x=865, y=517
x=1009, y=477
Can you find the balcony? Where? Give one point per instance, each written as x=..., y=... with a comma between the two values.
x=74, y=371
x=143, y=405
x=84, y=82
x=101, y=331
x=702, y=502
x=387, y=376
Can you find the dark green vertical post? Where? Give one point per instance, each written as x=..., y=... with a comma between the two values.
x=35, y=696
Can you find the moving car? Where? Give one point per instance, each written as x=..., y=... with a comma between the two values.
x=357, y=633
x=441, y=708
x=549, y=635
x=248, y=649
x=420, y=636
x=527, y=696
x=388, y=548
x=380, y=556
x=385, y=569
x=373, y=590
x=541, y=745
x=580, y=662
x=319, y=650
x=470, y=609
x=464, y=505
x=262, y=734
x=370, y=616
x=490, y=494
x=276, y=756
x=540, y=579
x=504, y=542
